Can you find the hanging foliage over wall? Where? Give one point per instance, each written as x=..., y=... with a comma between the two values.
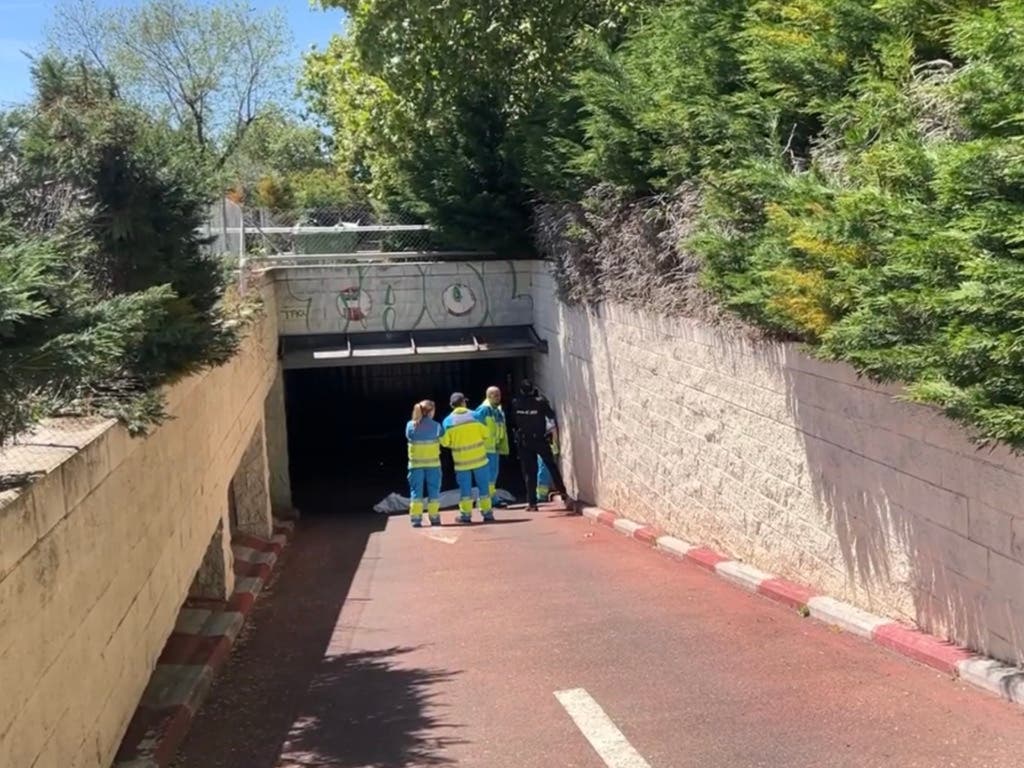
x=847, y=173
x=607, y=248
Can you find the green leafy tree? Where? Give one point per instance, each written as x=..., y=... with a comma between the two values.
x=435, y=105
x=211, y=70
x=665, y=103
x=280, y=145
x=898, y=248
x=372, y=128
x=281, y=160
x=60, y=345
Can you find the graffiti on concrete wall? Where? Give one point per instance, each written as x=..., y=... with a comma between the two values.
x=403, y=297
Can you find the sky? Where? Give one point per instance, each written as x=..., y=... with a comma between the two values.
x=23, y=26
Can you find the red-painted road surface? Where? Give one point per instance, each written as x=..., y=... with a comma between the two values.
x=384, y=646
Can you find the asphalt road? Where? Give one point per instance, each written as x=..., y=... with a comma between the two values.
x=544, y=641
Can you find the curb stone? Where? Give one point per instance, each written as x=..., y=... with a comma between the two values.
x=195, y=651
x=989, y=675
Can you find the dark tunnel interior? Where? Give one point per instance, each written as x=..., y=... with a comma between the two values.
x=346, y=426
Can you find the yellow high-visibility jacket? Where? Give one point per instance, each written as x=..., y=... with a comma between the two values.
x=497, y=431
x=465, y=435
x=424, y=444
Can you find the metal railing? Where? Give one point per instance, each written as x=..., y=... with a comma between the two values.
x=340, y=234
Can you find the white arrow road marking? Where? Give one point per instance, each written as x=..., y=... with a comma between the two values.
x=447, y=538
x=606, y=739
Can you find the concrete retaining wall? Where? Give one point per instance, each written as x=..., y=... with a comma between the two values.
x=794, y=465
x=97, y=555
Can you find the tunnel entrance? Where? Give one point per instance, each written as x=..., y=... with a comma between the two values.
x=346, y=426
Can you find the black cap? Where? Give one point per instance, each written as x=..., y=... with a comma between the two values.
x=526, y=387
x=457, y=399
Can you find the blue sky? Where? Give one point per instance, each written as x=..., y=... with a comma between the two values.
x=23, y=28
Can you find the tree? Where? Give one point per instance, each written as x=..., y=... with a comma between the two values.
x=277, y=153
x=212, y=70
x=436, y=106
x=372, y=128
x=669, y=102
x=846, y=173
x=105, y=289
x=279, y=144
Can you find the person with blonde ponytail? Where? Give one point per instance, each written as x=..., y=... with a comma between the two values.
x=423, y=434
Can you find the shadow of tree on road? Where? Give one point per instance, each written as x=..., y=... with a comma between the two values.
x=256, y=697
x=366, y=709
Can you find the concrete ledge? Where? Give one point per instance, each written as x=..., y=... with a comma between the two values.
x=673, y=546
x=742, y=574
x=930, y=651
x=177, y=685
x=626, y=527
x=987, y=674
x=845, y=616
x=647, y=535
x=995, y=677
x=789, y=593
x=705, y=558
x=200, y=645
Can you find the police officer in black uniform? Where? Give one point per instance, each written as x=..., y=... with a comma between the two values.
x=529, y=414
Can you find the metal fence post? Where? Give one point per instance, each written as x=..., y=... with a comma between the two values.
x=241, y=252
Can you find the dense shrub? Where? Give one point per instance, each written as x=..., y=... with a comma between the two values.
x=105, y=289
x=861, y=181
x=853, y=170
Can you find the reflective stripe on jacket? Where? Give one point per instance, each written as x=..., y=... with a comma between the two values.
x=424, y=444
x=552, y=436
x=466, y=435
x=497, y=432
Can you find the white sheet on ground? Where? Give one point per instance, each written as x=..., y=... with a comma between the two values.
x=396, y=504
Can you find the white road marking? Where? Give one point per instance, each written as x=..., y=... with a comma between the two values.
x=447, y=538
x=606, y=739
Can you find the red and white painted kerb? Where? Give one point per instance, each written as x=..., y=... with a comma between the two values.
x=198, y=647
x=993, y=676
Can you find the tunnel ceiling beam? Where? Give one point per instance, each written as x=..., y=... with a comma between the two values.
x=434, y=345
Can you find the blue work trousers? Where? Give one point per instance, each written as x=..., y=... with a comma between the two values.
x=424, y=483
x=466, y=479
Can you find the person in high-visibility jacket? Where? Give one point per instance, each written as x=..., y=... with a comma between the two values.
x=497, y=437
x=424, y=437
x=543, y=474
x=465, y=434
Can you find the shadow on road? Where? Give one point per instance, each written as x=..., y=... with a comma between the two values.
x=365, y=709
x=256, y=697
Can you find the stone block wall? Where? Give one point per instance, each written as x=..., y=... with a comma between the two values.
x=250, y=488
x=276, y=430
x=792, y=464
x=98, y=554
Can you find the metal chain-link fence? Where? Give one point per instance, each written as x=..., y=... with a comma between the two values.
x=325, y=234
x=43, y=448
